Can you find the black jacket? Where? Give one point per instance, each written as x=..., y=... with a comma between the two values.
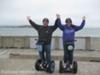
x=45, y=33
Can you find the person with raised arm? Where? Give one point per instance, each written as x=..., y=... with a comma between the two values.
x=69, y=30
x=44, y=39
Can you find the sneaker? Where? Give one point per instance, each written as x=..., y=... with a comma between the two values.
x=64, y=65
x=71, y=66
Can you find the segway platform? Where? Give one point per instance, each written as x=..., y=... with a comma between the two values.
x=63, y=69
x=42, y=66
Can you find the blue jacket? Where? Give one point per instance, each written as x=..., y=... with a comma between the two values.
x=69, y=31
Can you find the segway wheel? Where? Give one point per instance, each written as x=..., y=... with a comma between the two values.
x=60, y=67
x=37, y=65
x=75, y=67
x=51, y=67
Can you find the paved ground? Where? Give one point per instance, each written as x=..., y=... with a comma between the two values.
x=9, y=66
x=56, y=54
x=4, y=53
x=25, y=67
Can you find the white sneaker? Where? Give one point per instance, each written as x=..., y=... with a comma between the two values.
x=71, y=66
x=64, y=65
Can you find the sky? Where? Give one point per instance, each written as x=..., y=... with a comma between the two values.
x=14, y=12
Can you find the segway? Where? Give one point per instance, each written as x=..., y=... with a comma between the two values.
x=43, y=66
x=64, y=69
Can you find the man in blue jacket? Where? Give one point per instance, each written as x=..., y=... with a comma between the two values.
x=69, y=30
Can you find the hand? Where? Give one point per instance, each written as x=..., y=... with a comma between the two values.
x=28, y=17
x=83, y=17
x=57, y=15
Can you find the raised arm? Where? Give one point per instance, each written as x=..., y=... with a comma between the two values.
x=81, y=26
x=33, y=24
x=55, y=26
x=58, y=22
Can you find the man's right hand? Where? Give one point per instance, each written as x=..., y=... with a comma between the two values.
x=28, y=18
x=58, y=16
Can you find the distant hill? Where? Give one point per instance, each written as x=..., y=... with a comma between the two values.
x=21, y=26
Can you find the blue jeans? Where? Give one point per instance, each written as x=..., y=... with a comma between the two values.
x=68, y=52
x=44, y=51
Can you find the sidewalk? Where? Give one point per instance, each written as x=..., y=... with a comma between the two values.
x=56, y=54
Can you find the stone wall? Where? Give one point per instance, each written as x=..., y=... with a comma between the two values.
x=82, y=43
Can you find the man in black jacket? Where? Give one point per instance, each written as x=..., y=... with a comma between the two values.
x=44, y=39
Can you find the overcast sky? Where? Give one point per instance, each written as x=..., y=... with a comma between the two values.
x=14, y=12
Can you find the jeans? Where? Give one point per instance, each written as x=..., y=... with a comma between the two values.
x=68, y=52
x=44, y=51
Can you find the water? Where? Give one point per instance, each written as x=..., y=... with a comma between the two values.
x=29, y=31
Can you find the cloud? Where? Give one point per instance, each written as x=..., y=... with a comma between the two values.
x=17, y=10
